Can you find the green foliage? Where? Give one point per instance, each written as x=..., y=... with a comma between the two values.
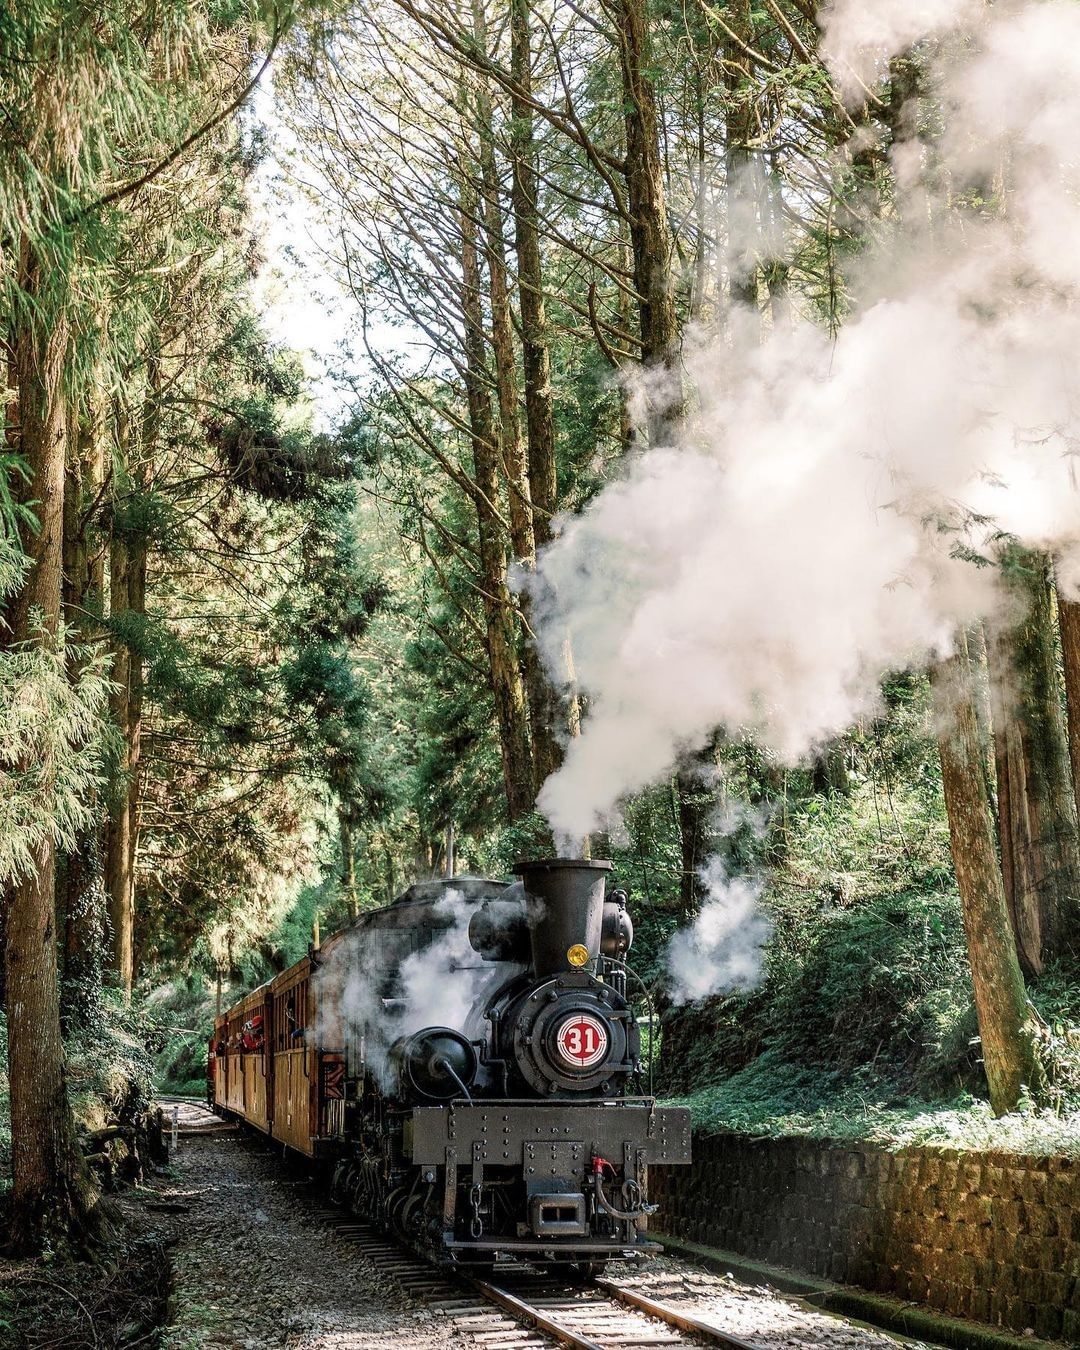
x=183, y=1015
x=110, y=1058
x=774, y=1098
x=110, y=1063
x=52, y=751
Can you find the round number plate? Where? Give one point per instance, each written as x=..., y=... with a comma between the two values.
x=582, y=1041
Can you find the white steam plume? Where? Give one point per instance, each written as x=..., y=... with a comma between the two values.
x=721, y=951
x=859, y=36
x=439, y=985
x=802, y=540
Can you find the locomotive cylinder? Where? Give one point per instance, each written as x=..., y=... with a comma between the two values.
x=564, y=910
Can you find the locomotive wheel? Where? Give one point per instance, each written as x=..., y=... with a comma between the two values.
x=409, y=1220
x=395, y=1203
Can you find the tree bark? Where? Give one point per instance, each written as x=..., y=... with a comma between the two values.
x=348, y=867
x=542, y=698
x=535, y=354
x=555, y=714
x=52, y=1198
x=127, y=598
x=650, y=235
x=80, y=888
x=1005, y=1027
x=128, y=560
x=1040, y=859
x=741, y=189
x=1069, y=625
x=695, y=800
x=506, y=683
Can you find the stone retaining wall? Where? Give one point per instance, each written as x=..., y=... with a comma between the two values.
x=991, y=1236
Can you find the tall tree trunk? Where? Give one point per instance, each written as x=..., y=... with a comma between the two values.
x=1040, y=858
x=742, y=189
x=695, y=800
x=80, y=888
x=701, y=243
x=127, y=562
x=777, y=269
x=1069, y=624
x=535, y=354
x=52, y=1198
x=506, y=682
x=542, y=698
x=128, y=559
x=650, y=234
x=1005, y=1027
x=348, y=866
x=554, y=714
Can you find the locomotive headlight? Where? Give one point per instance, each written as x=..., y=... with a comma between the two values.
x=578, y=954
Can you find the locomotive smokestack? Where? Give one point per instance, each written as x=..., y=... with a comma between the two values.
x=564, y=909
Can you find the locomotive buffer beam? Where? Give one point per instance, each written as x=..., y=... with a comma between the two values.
x=553, y=1144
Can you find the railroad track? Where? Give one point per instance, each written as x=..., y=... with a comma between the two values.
x=195, y=1117
x=519, y=1310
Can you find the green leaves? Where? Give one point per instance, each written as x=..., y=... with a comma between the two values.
x=52, y=750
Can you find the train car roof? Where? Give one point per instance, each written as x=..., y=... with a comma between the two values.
x=431, y=892
x=419, y=896
x=254, y=999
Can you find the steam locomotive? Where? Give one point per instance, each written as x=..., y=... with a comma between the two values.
x=467, y=1064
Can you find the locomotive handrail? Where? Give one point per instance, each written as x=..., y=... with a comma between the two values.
x=613, y=960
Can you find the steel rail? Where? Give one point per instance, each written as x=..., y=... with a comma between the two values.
x=523, y=1311
x=681, y=1321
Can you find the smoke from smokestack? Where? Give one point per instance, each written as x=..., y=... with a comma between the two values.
x=441, y=984
x=816, y=524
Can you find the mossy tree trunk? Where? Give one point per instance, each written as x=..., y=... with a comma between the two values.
x=506, y=680
x=52, y=1198
x=1001, y=1005
x=1069, y=624
x=1037, y=818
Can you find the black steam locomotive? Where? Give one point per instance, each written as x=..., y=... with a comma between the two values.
x=468, y=1063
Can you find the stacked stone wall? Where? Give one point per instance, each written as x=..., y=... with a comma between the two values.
x=990, y=1236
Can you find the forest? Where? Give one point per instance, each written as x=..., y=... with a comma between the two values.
x=696, y=490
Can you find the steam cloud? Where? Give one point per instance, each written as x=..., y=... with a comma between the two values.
x=439, y=985
x=804, y=537
x=720, y=952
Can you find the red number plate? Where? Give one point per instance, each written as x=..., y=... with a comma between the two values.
x=582, y=1041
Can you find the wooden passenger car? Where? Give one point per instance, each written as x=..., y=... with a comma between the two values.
x=234, y=1074
x=255, y=1063
x=218, y=1063
x=295, y=1075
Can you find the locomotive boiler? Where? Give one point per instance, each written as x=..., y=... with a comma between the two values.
x=467, y=1062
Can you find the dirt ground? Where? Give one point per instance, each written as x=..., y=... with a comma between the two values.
x=257, y=1266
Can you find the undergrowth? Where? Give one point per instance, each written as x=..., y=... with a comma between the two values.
x=863, y=1024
